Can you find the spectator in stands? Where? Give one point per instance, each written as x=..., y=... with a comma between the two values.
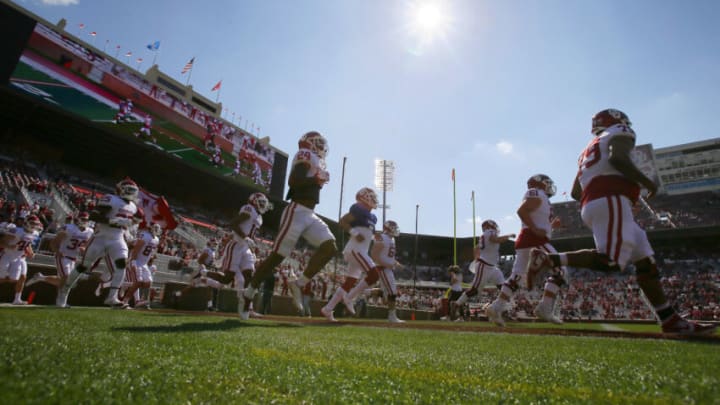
x=307, y=177
x=608, y=185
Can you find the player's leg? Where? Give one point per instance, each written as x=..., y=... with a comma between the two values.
x=18, y=272
x=371, y=276
x=93, y=251
x=116, y=258
x=389, y=288
x=476, y=284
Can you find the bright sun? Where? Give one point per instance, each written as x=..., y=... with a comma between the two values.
x=428, y=21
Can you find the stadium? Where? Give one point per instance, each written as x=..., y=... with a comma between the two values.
x=72, y=115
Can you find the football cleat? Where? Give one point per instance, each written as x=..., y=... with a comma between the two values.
x=113, y=301
x=35, y=279
x=494, y=314
x=349, y=304
x=539, y=261
x=327, y=313
x=544, y=311
x=296, y=292
x=19, y=302
x=394, y=319
x=680, y=326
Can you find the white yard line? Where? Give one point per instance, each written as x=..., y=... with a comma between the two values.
x=611, y=328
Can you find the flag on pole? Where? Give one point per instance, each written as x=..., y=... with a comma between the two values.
x=139, y=60
x=128, y=54
x=154, y=46
x=188, y=66
x=93, y=33
x=156, y=210
x=453, y=175
x=81, y=25
x=217, y=86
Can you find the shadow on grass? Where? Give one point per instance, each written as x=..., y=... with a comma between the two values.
x=228, y=324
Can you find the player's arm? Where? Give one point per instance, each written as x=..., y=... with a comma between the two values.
x=576, y=192
x=100, y=214
x=299, y=176
x=236, y=223
x=345, y=222
x=620, y=148
x=501, y=238
x=57, y=241
x=6, y=241
x=528, y=206
x=137, y=248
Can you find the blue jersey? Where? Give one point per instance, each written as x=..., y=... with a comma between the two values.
x=362, y=217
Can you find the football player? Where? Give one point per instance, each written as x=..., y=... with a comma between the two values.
x=141, y=258
x=487, y=256
x=537, y=225
x=608, y=185
x=238, y=257
x=113, y=215
x=200, y=277
x=67, y=245
x=360, y=223
x=307, y=176
x=383, y=253
x=16, y=244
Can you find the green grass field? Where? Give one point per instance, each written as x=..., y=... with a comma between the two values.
x=100, y=355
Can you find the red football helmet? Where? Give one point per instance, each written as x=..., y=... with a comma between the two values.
x=391, y=228
x=315, y=142
x=32, y=223
x=82, y=219
x=489, y=224
x=542, y=182
x=260, y=202
x=607, y=118
x=127, y=190
x=367, y=196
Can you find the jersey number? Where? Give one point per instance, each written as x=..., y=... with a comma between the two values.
x=590, y=155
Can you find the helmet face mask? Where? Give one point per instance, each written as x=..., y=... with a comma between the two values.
x=260, y=202
x=489, y=224
x=391, y=228
x=607, y=118
x=82, y=220
x=368, y=197
x=32, y=224
x=156, y=229
x=542, y=182
x=315, y=142
x=128, y=190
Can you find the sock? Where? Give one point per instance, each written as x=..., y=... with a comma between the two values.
x=214, y=283
x=250, y=292
x=117, y=279
x=392, y=313
x=337, y=296
x=551, y=290
x=359, y=287
x=40, y=276
x=462, y=300
x=18, y=295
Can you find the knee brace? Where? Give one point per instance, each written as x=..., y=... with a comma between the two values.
x=372, y=276
x=120, y=263
x=646, y=269
x=391, y=297
x=471, y=292
x=80, y=268
x=512, y=284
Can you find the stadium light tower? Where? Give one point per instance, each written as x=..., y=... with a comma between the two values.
x=384, y=174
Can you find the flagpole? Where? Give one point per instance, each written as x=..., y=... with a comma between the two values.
x=190, y=73
x=473, y=203
x=155, y=57
x=342, y=231
x=454, y=221
x=217, y=97
x=417, y=210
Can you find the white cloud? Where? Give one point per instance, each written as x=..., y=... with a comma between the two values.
x=504, y=147
x=60, y=2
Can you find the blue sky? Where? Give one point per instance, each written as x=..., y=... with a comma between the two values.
x=499, y=90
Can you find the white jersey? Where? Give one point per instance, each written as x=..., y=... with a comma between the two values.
x=120, y=216
x=251, y=225
x=489, y=251
x=317, y=165
x=597, y=176
x=387, y=253
x=150, y=246
x=19, y=242
x=541, y=219
x=75, y=239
